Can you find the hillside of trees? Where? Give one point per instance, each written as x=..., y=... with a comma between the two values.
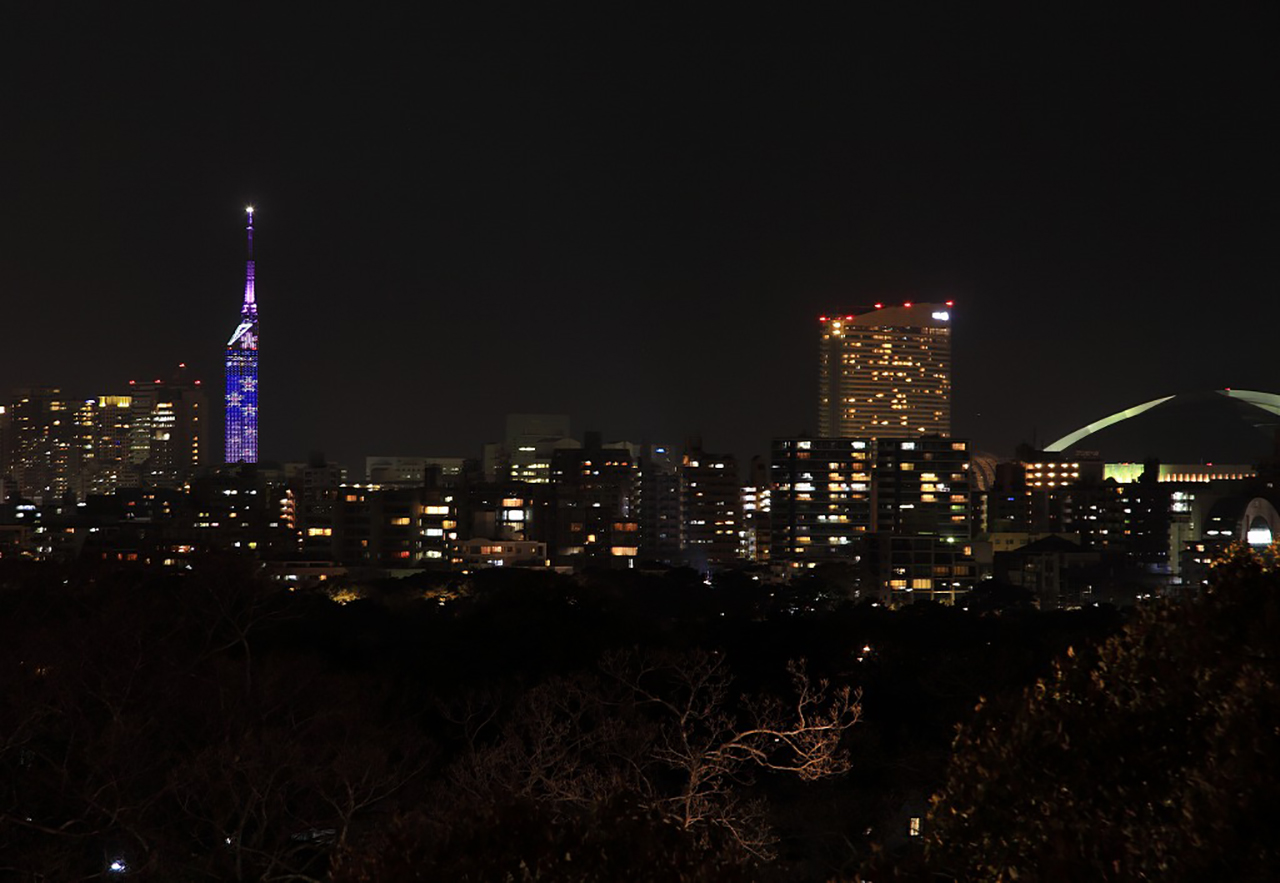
x=522, y=725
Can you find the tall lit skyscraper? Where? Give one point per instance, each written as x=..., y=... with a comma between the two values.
x=167, y=438
x=885, y=372
x=821, y=500
x=50, y=442
x=242, y=373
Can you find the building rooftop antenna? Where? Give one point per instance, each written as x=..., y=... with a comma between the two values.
x=250, y=303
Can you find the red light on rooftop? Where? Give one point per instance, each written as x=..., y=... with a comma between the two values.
x=822, y=318
x=182, y=364
x=132, y=382
x=951, y=303
x=879, y=306
x=848, y=318
x=907, y=304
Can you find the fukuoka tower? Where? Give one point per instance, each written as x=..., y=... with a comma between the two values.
x=242, y=373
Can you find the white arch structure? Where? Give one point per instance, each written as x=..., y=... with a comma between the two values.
x=1072, y=437
x=1260, y=525
x=1266, y=401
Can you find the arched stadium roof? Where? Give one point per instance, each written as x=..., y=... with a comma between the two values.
x=1264, y=401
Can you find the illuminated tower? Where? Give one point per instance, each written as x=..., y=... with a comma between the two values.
x=885, y=372
x=242, y=373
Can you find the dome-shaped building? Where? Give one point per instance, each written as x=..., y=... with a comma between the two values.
x=1219, y=426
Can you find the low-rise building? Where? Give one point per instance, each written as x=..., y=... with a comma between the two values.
x=480, y=552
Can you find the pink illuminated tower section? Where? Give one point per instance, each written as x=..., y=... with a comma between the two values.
x=242, y=372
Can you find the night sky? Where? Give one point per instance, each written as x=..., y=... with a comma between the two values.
x=634, y=214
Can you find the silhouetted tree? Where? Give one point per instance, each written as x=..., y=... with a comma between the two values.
x=664, y=728
x=714, y=745
x=522, y=841
x=140, y=724
x=1153, y=758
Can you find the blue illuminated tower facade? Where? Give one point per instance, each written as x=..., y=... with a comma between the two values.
x=242, y=373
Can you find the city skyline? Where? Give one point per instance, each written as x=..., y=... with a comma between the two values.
x=636, y=224
x=649, y=392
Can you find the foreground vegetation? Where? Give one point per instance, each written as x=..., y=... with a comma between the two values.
x=619, y=726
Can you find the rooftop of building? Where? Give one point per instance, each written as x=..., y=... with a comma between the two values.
x=908, y=314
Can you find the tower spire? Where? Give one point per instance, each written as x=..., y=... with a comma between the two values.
x=250, y=308
x=242, y=371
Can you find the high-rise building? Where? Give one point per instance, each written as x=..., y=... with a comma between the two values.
x=383, y=527
x=757, y=500
x=242, y=373
x=112, y=444
x=525, y=453
x=413, y=471
x=885, y=372
x=710, y=508
x=821, y=501
x=55, y=446
x=661, y=526
x=7, y=485
x=921, y=488
x=594, y=505
x=167, y=441
x=922, y=517
x=50, y=444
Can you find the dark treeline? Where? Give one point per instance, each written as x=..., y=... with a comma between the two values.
x=509, y=726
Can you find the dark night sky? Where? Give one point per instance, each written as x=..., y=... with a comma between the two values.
x=634, y=214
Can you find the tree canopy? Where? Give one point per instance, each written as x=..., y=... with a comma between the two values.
x=1154, y=756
